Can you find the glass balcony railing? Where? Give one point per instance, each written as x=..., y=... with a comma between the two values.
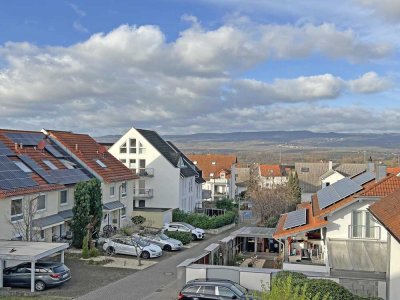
x=364, y=232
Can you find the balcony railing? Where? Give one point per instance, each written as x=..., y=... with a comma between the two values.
x=364, y=232
x=144, y=172
x=142, y=193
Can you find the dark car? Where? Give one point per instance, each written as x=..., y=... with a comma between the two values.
x=213, y=289
x=47, y=274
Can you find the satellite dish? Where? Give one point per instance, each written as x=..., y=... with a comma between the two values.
x=102, y=149
x=41, y=145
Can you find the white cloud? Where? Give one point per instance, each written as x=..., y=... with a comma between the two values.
x=131, y=75
x=79, y=27
x=77, y=10
x=388, y=9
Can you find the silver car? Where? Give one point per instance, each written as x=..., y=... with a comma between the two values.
x=162, y=240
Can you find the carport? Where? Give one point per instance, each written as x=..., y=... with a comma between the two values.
x=28, y=252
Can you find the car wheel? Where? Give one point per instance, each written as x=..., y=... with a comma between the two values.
x=110, y=251
x=145, y=254
x=40, y=286
x=194, y=237
x=167, y=248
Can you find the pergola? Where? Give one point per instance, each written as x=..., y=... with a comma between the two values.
x=28, y=252
x=254, y=232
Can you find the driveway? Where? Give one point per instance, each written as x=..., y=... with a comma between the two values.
x=156, y=282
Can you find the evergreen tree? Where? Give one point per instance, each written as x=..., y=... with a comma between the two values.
x=87, y=211
x=293, y=184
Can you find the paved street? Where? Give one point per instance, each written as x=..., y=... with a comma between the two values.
x=156, y=282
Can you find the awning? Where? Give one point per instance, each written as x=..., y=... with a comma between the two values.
x=66, y=214
x=47, y=222
x=110, y=206
x=262, y=232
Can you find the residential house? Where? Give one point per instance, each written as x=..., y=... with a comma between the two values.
x=335, y=234
x=117, y=181
x=218, y=172
x=167, y=178
x=37, y=180
x=272, y=175
x=387, y=212
x=394, y=170
x=242, y=177
x=314, y=176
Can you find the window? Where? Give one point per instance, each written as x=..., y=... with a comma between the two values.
x=112, y=191
x=132, y=145
x=41, y=202
x=363, y=225
x=122, y=149
x=123, y=189
x=63, y=197
x=142, y=167
x=142, y=203
x=225, y=292
x=213, y=163
x=305, y=170
x=16, y=209
x=142, y=150
x=68, y=164
x=207, y=290
x=134, y=203
x=50, y=165
x=211, y=174
x=22, y=166
x=101, y=164
x=132, y=164
x=123, y=213
x=123, y=161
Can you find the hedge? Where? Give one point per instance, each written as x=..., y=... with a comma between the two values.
x=184, y=237
x=204, y=221
x=326, y=288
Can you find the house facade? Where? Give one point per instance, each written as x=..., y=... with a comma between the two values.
x=37, y=183
x=271, y=176
x=218, y=173
x=117, y=181
x=166, y=178
x=337, y=235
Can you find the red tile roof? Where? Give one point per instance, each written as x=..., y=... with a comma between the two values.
x=37, y=156
x=87, y=150
x=205, y=163
x=312, y=224
x=383, y=188
x=395, y=170
x=387, y=211
x=270, y=171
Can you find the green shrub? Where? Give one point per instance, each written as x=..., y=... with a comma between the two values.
x=127, y=230
x=271, y=222
x=94, y=252
x=204, y=221
x=138, y=220
x=225, y=203
x=184, y=237
x=85, y=247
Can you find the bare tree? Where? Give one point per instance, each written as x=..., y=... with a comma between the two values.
x=24, y=226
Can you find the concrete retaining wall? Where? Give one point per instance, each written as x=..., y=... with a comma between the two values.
x=220, y=230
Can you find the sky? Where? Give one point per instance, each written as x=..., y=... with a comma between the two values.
x=191, y=66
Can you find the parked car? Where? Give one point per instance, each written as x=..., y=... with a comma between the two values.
x=134, y=246
x=197, y=233
x=213, y=289
x=162, y=240
x=47, y=274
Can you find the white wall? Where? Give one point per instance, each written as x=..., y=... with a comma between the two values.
x=394, y=276
x=339, y=222
x=331, y=179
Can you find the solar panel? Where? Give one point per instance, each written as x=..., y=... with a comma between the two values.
x=337, y=191
x=295, y=218
x=69, y=176
x=27, y=139
x=38, y=169
x=53, y=151
x=12, y=177
x=364, y=177
x=4, y=150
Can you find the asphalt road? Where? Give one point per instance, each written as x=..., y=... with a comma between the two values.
x=154, y=283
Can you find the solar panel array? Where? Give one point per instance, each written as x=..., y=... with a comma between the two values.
x=53, y=151
x=27, y=139
x=337, y=191
x=38, y=169
x=4, y=150
x=69, y=176
x=364, y=177
x=12, y=177
x=295, y=218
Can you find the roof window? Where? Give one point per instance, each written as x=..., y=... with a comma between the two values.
x=213, y=163
x=22, y=166
x=68, y=164
x=101, y=164
x=50, y=165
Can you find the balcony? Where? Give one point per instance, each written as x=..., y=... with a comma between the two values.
x=364, y=232
x=142, y=193
x=144, y=172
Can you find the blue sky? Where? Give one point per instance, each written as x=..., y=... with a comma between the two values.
x=181, y=66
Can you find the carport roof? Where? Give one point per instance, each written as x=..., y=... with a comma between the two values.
x=28, y=251
x=262, y=232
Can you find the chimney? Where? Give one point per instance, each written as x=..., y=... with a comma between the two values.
x=330, y=165
x=380, y=172
x=371, y=167
x=16, y=146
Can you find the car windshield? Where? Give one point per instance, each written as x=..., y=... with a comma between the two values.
x=188, y=226
x=238, y=289
x=163, y=236
x=142, y=243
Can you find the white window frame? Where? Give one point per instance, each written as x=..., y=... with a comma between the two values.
x=132, y=148
x=123, y=146
x=124, y=191
x=50, y=164
x=45, y=203
x=16, y=215
x=142, y=149
x=22, y=166
x=101, y=164
x=113, y=189
x=66, y=193
x=123, y=212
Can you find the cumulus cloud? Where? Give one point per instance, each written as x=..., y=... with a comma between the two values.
x=132, y=75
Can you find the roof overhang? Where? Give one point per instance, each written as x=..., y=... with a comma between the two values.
x=111, y=206
x=28, y=251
